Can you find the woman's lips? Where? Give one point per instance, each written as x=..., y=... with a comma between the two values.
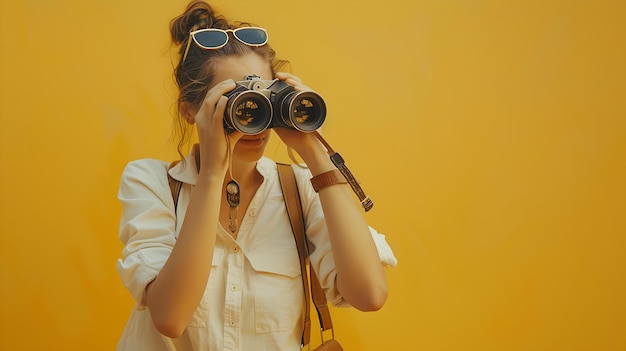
x=252, y=141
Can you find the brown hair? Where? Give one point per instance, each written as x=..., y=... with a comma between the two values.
x=195, y=74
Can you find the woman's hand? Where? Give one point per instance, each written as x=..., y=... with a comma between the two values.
x=305, y=144
x=214, y=141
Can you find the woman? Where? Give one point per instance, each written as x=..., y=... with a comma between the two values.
x=227, y=279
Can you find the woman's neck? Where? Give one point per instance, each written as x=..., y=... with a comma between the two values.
x=244, y=172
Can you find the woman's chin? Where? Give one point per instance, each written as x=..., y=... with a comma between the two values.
x=249, y=149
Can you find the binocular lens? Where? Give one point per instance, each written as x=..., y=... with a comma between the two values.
x=306, y=111
x=249, y=112
x=250, y=107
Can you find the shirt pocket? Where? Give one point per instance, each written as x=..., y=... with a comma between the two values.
x=200, y=317
x=277, y=287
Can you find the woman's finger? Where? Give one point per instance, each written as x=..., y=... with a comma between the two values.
x=293, y=81
x=216, y=92
x=288, y=77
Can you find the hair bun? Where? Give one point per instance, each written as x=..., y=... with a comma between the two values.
x=198, y=14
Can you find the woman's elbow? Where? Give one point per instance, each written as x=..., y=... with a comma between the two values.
x=169, y=327
x=373, y=301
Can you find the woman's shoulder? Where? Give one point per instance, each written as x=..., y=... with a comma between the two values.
x=300, y=171
x=303, y=175
x=145, y=171
x=145, y=165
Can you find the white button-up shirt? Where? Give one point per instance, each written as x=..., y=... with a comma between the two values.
x=254, y=298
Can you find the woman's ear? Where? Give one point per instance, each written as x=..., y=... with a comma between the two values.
x=188, y=113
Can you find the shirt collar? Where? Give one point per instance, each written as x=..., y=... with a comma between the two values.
x=186, y=171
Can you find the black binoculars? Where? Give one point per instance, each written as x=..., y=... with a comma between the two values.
x=255, y=105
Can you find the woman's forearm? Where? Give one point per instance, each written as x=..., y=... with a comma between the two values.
x=174, y=295
x=360, y=274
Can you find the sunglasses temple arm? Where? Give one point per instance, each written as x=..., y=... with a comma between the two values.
x=187, y=48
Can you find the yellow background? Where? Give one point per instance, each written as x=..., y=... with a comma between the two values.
x=490, y=135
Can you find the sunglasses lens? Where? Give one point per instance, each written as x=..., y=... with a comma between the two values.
x=211, y=38
x=251, y=36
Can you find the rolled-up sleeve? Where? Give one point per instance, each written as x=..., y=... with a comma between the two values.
x=147, y=225
x=321, y=256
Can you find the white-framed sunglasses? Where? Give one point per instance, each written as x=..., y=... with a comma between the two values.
x=213, y=38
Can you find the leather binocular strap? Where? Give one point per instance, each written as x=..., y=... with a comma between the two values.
x=294, y=210
x=175, y=185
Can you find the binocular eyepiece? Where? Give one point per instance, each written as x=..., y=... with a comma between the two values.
x=255, y=105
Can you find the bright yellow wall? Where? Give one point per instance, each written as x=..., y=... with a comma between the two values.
x=490, y=134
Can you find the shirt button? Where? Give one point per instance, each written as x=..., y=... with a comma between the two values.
x=253, y=212
x=232, y=323
x=233, y=288
x=235, y=249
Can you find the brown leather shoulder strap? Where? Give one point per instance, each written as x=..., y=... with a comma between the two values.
x=294, y=209
x=175, y=185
